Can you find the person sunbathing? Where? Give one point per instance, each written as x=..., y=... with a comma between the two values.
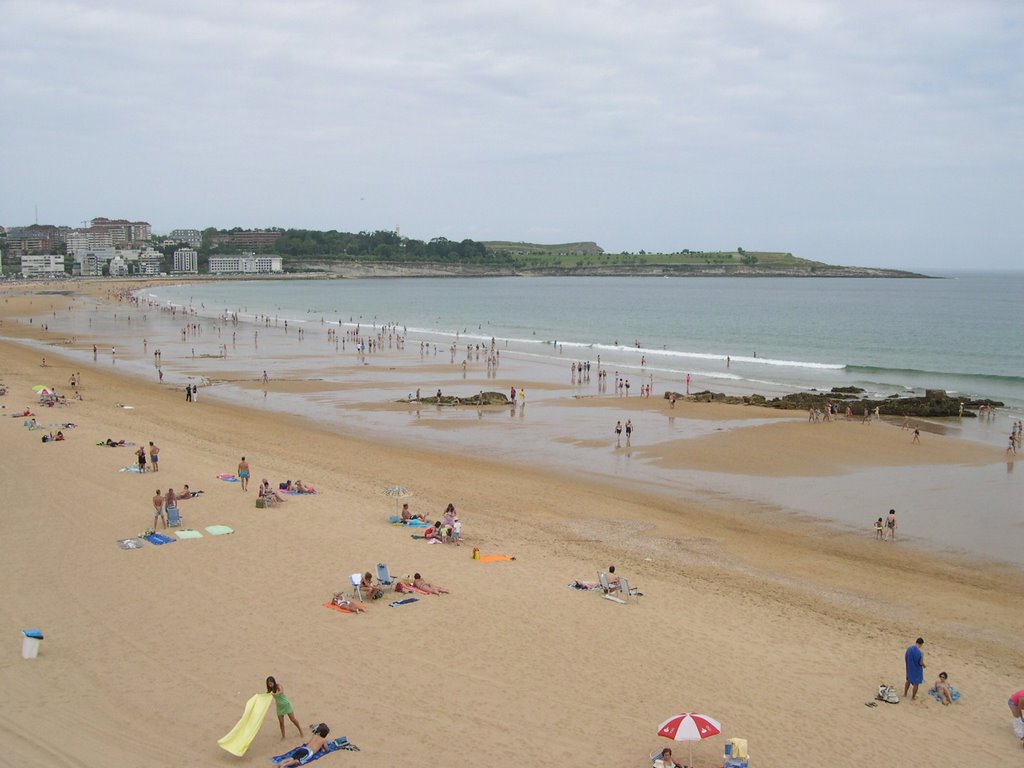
x=114, y=443
x=942, y=688
x=435, y=532
x=300, y=488
x=420, y=583
x=188, y=493
x=60, y=435
x=317, y=743
x=349, y=605
x=268, y=494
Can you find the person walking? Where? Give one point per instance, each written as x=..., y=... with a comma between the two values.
x=188, y=393
x=914, y=659
x=243, y=474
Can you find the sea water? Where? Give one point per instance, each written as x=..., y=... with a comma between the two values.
x=742, y=335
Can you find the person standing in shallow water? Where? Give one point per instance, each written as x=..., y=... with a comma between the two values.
x=890, y=525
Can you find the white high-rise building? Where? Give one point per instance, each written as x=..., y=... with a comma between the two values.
x=246, y=264
x=186, y=260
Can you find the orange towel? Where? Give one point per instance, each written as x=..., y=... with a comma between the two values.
x=494, y=558
x=338, y=608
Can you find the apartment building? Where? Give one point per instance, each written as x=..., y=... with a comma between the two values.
x=86, y=239
x=186, y=260
x=193, y=238
x=246, y=264
x=42, y=265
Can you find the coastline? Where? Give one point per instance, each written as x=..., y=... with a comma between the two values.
x=783, y=603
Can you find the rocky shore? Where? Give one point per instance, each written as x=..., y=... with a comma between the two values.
x=934, y=404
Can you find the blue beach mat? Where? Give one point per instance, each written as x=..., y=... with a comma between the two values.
x=403, y=602
x=339, y=744
x=159, y=538
x=954, y=694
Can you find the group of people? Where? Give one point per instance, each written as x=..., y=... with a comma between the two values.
x=154, y=457
x=165, y=505
x=886, y=529
x=372, y=589
x=618, y=432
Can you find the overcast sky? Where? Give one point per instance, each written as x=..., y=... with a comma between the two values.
x=856, y=132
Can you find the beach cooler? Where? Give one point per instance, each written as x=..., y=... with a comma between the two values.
x=30, y=643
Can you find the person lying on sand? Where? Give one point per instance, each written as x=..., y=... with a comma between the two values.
x=316, y=743
x=341, y=601
x=420, y=583
x=300, y=488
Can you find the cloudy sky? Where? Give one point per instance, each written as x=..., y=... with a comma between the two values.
x=864, y=133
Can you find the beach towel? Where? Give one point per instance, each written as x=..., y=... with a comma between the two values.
x=416, y=536
x=134, y=543
x=159, y=538
x=340, y=743
x=954, y=694
x=189, y=534
x=219, y=530
x=494, y=558
x=403, y=602
x=228, y=478
x=585, y=586
x=129, y=469
x=339, y=608
x=239, y=738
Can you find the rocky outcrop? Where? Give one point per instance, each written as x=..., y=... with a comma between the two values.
x=481, y=398
x=935, y=403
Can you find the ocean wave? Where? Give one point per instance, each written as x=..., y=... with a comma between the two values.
x=897, y=372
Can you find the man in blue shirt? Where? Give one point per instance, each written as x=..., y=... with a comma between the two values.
x=915, y=667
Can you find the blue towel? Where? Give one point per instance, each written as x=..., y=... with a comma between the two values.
x=159, y=538
x=403, y=602
x=333, y=746
x=954, y=694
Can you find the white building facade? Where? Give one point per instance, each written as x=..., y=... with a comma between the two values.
x=246, y=264
x=186, y=260
x=42, y=265
x=191, y=237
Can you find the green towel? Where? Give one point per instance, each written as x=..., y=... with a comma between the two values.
x=218, y=530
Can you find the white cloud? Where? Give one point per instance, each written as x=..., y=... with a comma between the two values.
x=657, y=125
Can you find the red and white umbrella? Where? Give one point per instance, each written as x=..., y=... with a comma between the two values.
x=690, y=726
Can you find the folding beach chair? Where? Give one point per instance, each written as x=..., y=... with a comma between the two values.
x=602, y=577
x=384, y=575
x=625, y=589
x=357, y=580
x=173, y=517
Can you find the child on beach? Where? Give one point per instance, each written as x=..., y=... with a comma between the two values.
x=879, y=529
x=284, y=707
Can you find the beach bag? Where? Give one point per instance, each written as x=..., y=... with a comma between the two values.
x=887, y=694
x=260, y=504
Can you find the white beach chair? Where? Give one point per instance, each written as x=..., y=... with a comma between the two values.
x=357, y=580
x=625, y=589
x=602, y=577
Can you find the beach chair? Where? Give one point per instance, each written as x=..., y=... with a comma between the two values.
x=357, y=580
x=384, y=575
x=173, y=517
x=736, y=754
x=625, y=589
x=608, y=588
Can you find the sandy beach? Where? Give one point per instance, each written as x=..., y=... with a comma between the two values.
x=779, y=625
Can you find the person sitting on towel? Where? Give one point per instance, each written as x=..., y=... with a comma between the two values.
x=316, y=743
x=942, y=688
x=407, y=516
x=188, y=493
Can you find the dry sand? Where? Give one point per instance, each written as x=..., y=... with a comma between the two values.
x=780, y=628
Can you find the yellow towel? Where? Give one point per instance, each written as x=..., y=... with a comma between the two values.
x=240, y=737
x=739, y=748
